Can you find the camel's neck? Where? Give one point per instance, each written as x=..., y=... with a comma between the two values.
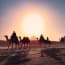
x=7, y=38
x=20, y=38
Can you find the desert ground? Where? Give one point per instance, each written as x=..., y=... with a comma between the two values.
x=53, y=54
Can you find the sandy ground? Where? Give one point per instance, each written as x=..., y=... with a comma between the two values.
x=52, y=55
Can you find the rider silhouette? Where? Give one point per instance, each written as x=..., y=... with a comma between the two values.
x=14, y=38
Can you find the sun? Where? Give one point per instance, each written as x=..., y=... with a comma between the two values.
x=32, y=25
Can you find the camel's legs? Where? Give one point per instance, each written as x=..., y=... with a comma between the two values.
x=28, y=45
x=21, y=45
x=12, y=45
x=18, y=46
x=15, y=46
x=24, y=45
x=8, y=45
x=40, y=44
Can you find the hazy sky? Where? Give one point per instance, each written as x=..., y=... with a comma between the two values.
x=52, y=11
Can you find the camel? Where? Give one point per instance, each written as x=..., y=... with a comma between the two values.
x=8, y=40
x=43, y=40
x=12, y=40
x=25, y=41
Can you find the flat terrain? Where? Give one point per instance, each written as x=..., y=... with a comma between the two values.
x=53, y=54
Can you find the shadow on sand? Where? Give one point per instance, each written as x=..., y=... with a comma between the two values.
x=15, y=60
x=53, y=53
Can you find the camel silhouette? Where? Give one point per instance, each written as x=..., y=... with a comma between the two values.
x=42, y=40
x=24, y=41
x=8, y=40
x=13, y=40
x=62, y=39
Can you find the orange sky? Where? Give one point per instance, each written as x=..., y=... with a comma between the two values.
x=48, y=19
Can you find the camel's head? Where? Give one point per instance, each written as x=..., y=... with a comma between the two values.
x=6, y=36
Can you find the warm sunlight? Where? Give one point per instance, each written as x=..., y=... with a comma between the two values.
x=33, y=25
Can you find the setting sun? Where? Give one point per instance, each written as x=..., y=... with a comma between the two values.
x=32, y=24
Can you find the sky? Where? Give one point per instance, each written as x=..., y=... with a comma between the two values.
x=14, y=12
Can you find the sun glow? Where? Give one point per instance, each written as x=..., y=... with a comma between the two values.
x=32, y=24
